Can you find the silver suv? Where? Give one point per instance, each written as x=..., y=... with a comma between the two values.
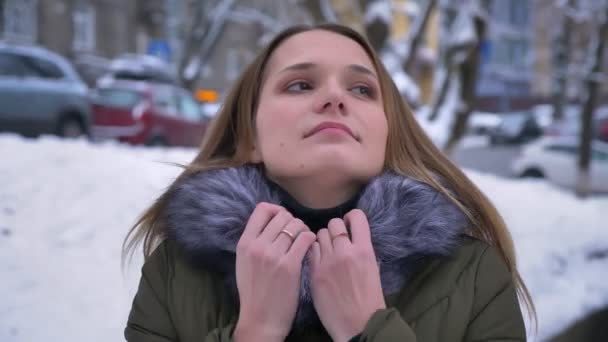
x=41, y=93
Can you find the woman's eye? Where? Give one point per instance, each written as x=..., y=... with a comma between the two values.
x=363, y=90
x=299, y=86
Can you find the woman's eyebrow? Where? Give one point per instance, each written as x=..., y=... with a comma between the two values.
x=299, y=66
x=361, y=70
x=307, y=65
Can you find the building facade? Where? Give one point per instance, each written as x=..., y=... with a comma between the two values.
x=88, y=32
x=507, y=71
x=563, y=49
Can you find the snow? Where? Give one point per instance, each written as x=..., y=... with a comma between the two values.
x=65, y=207
x=407, y=87
x=439, y=129
x=483, y=121
x=192, y=68
x=409, y=8
x=379, y=9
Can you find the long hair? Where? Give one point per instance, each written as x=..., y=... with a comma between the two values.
x=409, y=151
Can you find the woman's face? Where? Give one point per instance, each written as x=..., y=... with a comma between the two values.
x=320, y=110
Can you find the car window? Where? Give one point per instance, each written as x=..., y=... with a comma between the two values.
x=512, y=123
x=189, y=108
x=10, y=65
x=599, y=155
x=563, y=149
x=574, y=151
x=118, y=97
x=165, y=101
x=37, y=67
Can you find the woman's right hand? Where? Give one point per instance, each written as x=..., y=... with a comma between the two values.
x=268, y=267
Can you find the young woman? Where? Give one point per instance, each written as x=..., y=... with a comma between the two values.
x=318, y=210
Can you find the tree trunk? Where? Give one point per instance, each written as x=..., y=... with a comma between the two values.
x=469, y=71
x=417, y=35
x=204, y=37
x=192, y=39
x=451, y=66
x=443, y=91
x=593, y=83
x=561, y=62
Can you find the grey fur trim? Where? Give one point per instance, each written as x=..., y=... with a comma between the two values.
x=409, y=221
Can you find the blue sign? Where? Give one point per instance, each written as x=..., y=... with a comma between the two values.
x=486, y=50
x=160, y=49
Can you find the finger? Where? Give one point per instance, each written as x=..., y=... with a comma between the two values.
x=338, y=234
x=283, y=240
x=359, y=227
x=325, y=243
x=261, y=215
x=298, y=249
x=274, y=227
x=315, y=254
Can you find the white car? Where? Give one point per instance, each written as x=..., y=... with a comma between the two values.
x=556, y=160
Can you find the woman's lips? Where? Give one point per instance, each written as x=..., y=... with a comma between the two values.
x=330, y=125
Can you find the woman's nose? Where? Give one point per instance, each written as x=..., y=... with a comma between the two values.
x=329, y=104
x=332, y=100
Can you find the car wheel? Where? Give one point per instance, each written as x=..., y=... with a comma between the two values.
x=532, y=173
x=157, y=142
x=71, y=127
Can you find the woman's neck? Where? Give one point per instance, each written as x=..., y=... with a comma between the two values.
x=319, y=193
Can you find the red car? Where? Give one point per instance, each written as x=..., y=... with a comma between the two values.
x=147, y=113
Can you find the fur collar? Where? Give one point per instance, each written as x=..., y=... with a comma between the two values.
x=409, y=220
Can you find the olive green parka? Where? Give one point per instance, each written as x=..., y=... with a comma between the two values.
x=453, y=288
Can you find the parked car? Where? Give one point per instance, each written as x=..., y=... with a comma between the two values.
x=516, y=127
x=210, y=110
x=147, y=113
x=570, y=125
x=41, y=93
x=138, y=68
x=556, y=160
x=482, y=123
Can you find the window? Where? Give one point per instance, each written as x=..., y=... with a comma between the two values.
x=10, y=65
x=165, y=101
x=574, y=151
x=36, y=67
x=510, y=52
x=518, y=13
x=84, y=28
x=20, y=20
x=121, y=98
x=189, y=108
x=487, y=5
x=599, y=155
x=563, y=149
x=519, y=52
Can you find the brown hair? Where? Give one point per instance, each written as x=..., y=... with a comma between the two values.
x=410, y=152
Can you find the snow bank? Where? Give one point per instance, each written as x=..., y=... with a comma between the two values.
x=65, y=208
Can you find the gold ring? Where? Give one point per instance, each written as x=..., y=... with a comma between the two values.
x=288, y=233
x=338, y=235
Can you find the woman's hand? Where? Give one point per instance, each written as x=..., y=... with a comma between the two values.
x=346, y=288
x=268, y=265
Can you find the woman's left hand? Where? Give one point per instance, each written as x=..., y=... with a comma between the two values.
x=346, y=288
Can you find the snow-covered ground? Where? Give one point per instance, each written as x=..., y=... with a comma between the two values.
x=65, y=208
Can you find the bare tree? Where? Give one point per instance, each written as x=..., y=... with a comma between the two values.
x=203, y=33
x=594, y=80
x=469, y=71
x=417, y=35
x=561, y=57
x=208, y=18
x=456, y=51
